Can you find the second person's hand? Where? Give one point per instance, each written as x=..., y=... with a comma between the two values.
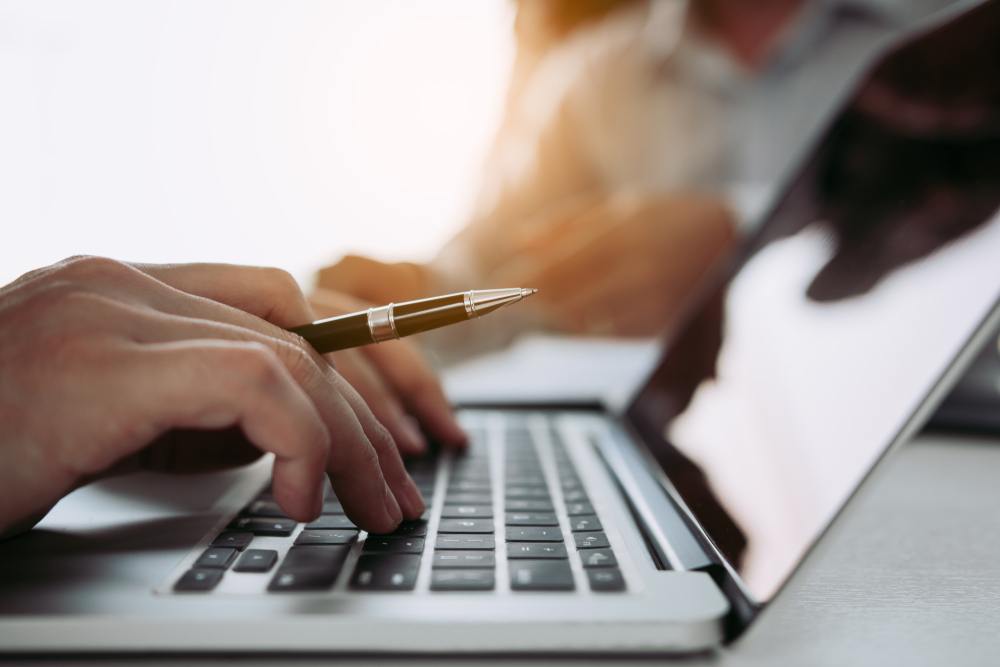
x=622, y=264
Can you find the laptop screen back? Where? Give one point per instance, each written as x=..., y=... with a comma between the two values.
x=867, y=279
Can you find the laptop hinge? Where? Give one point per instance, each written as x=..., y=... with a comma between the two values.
x=673, y=529
x=662, y=524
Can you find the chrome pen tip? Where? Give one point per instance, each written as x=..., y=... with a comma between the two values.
x=526, y=292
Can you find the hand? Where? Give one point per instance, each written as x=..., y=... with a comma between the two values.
x=395, y=380
x=622, y=264
x=375, y=282
x=99, y=358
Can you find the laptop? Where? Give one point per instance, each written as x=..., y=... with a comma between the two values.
x=664, y=527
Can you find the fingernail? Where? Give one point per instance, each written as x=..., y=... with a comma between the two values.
x=392, y=507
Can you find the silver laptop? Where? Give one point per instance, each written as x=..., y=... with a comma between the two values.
x=831, y=338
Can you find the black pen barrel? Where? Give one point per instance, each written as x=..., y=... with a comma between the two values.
x=423, y=305
x=418, y=322
x=405, y=319
x=337, y=333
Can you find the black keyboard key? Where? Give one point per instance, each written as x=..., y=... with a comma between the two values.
x=532, y=534
x=524, y=480
x=591, y=540
x=541, y=575
x=415, y=528
x=579, y=509
x=478, y=469
x=467, y=511
x=326, y=537
x=231, y=540
x=547, y=550
x=324, y=557
x=377, y=572
x=598, y=558
x=527, y=492
x=261, y=526
x=606, y=579
x=529, y=505
x=462, y=580
x=582, y=524
x=466, y=526
x=520, y=449
x=293, y=581
x=256, y=560
x=215, y=558
x=531, y=519
x=456, y=541
x=516, y=471
x=465, y=486
x=198, y=581
x=463, y=559
x=570, y=483
x=309, y=568
x=468, y=499
x=331, y=522
x=265, y=508
x=576, y=497
x=394, y=545
x=470, y=465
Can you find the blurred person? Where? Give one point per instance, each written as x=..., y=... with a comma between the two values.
x=108, y=367
x=640, y=138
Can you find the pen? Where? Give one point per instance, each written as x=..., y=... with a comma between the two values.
x=405, y=319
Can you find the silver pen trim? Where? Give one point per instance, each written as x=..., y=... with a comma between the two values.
x=381, y=324
x=470, y=305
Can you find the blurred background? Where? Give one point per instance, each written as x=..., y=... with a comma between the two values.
x=267, y=133
x=561, y=135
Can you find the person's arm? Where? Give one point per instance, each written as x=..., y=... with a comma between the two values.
x=99, y=358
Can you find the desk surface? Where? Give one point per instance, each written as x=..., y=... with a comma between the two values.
x=912, y=578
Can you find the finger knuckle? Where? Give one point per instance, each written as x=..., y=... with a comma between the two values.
x=368, y=463
x=281, y=281
x=353, y=460
x=260, y=364
x=93, y=267
x=381, y=439
x=295, y=355
x=70, y=301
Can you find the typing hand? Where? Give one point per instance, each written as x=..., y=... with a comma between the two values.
x=395, y=380
x=98, y=359
x=621, y=264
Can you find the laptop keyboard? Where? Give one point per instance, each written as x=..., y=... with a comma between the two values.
x=536, y=532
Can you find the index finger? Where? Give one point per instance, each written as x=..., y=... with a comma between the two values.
x=268, y=293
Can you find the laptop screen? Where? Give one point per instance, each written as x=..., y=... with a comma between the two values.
x=866, y=280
